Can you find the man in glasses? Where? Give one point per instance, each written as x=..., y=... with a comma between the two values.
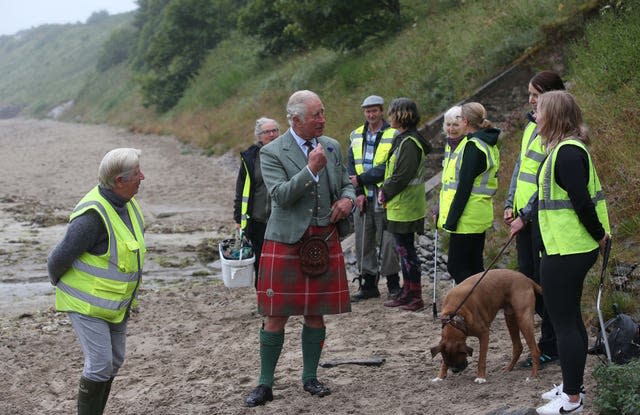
x=310, y=193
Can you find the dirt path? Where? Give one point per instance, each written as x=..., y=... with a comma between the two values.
x=192, y=348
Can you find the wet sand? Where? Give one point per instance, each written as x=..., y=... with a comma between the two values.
x=193, y=346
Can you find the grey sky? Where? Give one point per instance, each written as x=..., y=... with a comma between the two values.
x=16, y=15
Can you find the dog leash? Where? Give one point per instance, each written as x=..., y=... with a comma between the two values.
x=483, y=274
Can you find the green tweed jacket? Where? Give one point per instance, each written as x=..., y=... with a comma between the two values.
x=293, y=191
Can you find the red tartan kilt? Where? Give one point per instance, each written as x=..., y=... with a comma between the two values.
x=283, y=290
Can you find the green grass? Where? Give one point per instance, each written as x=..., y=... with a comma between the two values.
x=442, y=53
x=46, y=66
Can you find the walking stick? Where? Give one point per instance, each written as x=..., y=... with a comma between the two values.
x=359, y=277
x=364, y=231
x=605, y=260
x=380, y=254
x=435, y=272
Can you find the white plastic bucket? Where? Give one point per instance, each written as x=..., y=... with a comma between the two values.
x=236, y=272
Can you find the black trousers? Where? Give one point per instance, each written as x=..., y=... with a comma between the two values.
x=529, y=248
x=562, y=278
x=255, y=232
x=465, y=255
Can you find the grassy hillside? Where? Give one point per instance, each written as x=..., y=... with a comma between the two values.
x=444, y=50
x=45, y=66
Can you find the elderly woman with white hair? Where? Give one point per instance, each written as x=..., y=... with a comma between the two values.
x=97, y=270
x=469, y=181
x=251, y=207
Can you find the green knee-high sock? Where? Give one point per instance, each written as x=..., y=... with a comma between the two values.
x=270, y=348
x=312, y=342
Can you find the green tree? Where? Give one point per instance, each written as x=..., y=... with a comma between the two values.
x=175, y=37
x=261, y=18
x=97, y=17
x=146, y=21
x=334, y=24
x=118, y=48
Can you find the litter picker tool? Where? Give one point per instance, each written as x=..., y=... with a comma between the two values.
x=360, y=277
x=603, y=330
x=435, y=272
x=380, y=255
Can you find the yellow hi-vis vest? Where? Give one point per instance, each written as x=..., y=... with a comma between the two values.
x=532, y=153
x=246, y=192
x=477, y=216
x=104, y=286
x=357, y=140
x=410, y=204
x=561, y=229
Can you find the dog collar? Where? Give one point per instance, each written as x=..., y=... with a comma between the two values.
x=456, y=321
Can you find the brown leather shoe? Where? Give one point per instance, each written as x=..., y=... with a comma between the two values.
x=315, y=387
x=402, y=299
x=416, y=304
x=259, y=396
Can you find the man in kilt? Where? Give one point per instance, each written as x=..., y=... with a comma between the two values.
x=310, y=192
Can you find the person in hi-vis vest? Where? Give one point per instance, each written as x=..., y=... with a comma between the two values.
x=251, y=207
x=403, y=196
x=522, y=190
x=369, y=146
x=574, y=226
x=469, y=182
x=97, y=270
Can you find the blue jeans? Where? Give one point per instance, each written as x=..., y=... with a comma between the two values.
x=103, y=345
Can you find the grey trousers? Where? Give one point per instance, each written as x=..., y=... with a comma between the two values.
x=371, y=225
x=103, y=345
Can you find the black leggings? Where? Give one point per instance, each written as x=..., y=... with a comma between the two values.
x=465, y=255
x=528, y=246
x=562, y=278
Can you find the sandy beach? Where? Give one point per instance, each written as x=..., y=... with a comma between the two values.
x=192, y=346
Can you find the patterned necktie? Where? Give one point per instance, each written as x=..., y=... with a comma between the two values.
x=309, y=146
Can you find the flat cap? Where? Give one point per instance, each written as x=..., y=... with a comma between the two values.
x=372, y=100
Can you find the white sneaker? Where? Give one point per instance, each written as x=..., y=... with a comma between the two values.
x=557, y=391
x=560, y=405
x=553, y=393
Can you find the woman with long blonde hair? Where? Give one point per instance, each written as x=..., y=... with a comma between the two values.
x=574, y=226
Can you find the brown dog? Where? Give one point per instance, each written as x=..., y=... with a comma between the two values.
x=503, y=289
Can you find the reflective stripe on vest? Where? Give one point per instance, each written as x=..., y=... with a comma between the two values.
x=561, y=229
x=477, y=216
x=532, y=153
x=410, y=204
x=104, y=286
x=246, y=192
x=357, y=141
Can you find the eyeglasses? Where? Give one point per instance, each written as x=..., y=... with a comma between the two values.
x=274, y=131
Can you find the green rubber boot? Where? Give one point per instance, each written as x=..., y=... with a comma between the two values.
x=91, y=397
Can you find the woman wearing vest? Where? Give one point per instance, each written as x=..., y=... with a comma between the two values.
x=574, y=226
x=522, y=190
x=251, y=205
x=469, y=181
x=454, y=133
x=402, y=195
x=97, y=270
